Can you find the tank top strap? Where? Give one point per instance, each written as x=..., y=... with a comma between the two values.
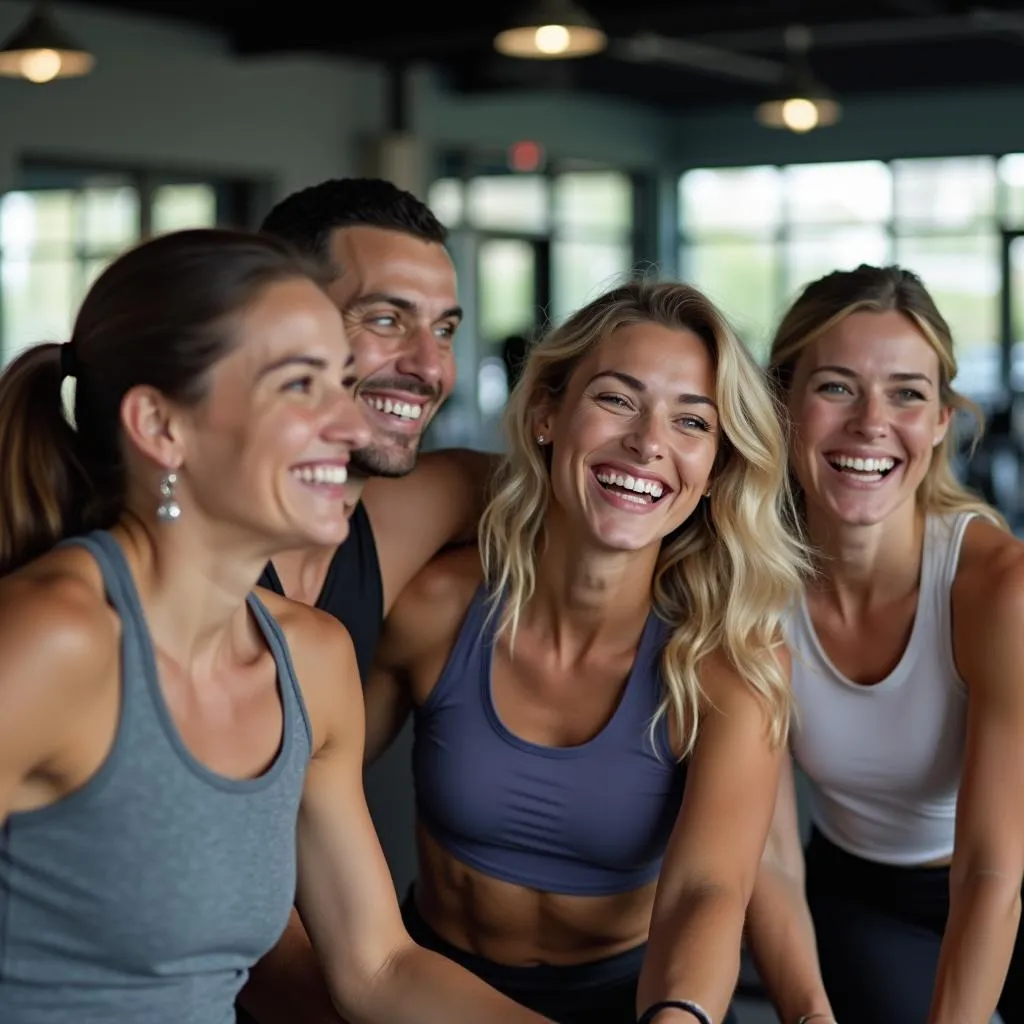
x=468, y=656
x=289, y=682
x=117, y=577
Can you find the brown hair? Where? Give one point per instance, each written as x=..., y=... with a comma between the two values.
x=829, y=300
x=160, y=315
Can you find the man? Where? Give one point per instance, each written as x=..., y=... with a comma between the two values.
x=397, y=292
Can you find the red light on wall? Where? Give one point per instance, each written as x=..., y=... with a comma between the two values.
x=525, y=156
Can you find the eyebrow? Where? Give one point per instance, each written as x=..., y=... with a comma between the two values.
x=638, y=385
x=313, y=362
x=408, y=306
x=902, y=377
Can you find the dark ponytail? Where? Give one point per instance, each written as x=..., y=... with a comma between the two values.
x=44, y=488
x=161, y=315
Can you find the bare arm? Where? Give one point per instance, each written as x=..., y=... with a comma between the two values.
x=713, y=855
x=375, y=973
x=60, y=659
x=414, y=517
x=780, y=932
x=988, y=857
x=423, y=622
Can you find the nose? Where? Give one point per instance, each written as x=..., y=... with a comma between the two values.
x=645, y=441
x=420, y=356
x=869, y=420
x=347, y=424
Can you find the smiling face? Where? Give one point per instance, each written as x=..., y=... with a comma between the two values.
x=397, y=294
x=634, y=436
x=268, y=447
x=864, y=403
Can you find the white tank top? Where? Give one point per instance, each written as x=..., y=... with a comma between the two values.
x=884, y=761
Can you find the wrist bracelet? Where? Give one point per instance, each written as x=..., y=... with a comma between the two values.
x=693, y=1009
x=808, y=1017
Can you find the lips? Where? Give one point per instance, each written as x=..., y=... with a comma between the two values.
x=324, y=474
x=404, y=410
x=627, y=481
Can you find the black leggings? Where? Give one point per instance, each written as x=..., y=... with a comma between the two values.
x=879, y=929
x=601, y=992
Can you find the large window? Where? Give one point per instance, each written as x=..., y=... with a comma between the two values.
x=530, y=248
x=577, y=226
x=55, y=239
x=752, y=237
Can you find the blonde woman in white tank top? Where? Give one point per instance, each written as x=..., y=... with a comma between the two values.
x=908, y=675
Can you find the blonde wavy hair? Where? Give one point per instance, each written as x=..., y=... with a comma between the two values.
x=830, y=300
x=724, y=579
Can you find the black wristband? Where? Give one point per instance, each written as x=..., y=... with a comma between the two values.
x=695, y=1011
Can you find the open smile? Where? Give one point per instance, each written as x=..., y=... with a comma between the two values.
x=328, y=478
x=862, y=469
x=404, y=413
x=630, y=490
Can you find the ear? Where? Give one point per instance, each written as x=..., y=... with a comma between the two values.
x=149, y=421
x=543, y=420
x=945, y=418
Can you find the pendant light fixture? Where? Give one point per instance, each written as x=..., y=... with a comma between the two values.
x=39, y=51
x=551, y=30
x=802, y=103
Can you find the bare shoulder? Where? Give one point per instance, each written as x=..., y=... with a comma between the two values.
x=324, y=659
x=452, y=466
x=989, y=586
x=725, y=686
x=59, y=602
x=430, y=610
x=60, y=638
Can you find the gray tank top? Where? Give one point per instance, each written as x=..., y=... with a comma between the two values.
x=145, y=896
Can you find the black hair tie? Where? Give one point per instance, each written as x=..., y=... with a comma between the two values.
x=68, y=366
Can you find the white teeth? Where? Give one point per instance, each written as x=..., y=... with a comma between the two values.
x=403, y=410
x=640, y=486
x=321, y=474
x=882, y=465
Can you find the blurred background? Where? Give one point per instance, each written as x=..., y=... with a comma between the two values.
x=746, y=147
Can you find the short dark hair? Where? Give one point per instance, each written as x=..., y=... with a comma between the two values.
x=161, y=314
x=308, y=218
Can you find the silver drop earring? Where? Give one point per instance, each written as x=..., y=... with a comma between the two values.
x=168, y=510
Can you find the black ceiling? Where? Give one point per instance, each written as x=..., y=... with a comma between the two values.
x=858, y=46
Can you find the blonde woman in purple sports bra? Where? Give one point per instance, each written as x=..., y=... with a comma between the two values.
x=600, y=691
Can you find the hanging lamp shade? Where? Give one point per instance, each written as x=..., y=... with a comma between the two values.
x=40, y=51
x=551, y=30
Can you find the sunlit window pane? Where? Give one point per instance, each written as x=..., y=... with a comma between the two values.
x=109, y=217
x=735, y=200
x=810, y=255
x=581, y=271
x=31, y=219
x=516, y=202
x=593, y=200
x=963, y=275
x=741, y=278
x=177, y=207
x=945, y=194
x=38, y=302
x=1011, y=188
x=844, y=193
x=446, y=199
x=505, y=288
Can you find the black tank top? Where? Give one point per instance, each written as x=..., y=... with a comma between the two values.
x=352, y=592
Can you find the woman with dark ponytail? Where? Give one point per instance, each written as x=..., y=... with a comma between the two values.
x=179, y=757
